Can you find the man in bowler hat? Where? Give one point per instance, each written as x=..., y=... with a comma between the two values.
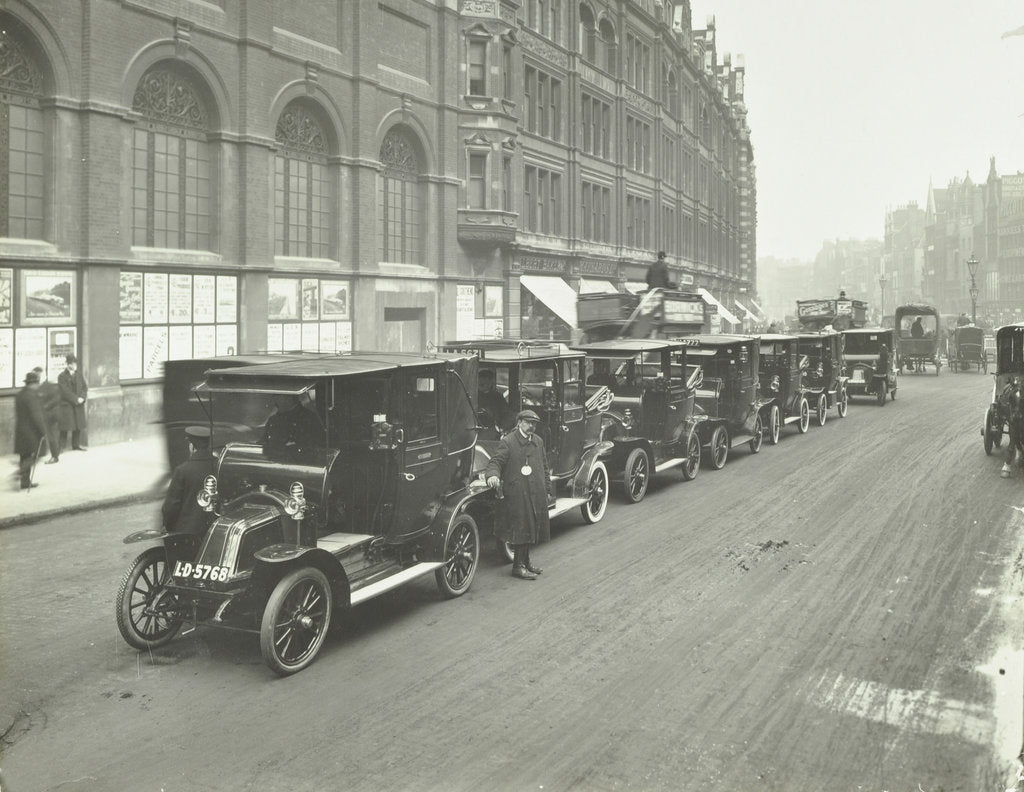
x=73, y=393
x=49, y=396
x=29, y=428
x=181, y=512
x=520, y=468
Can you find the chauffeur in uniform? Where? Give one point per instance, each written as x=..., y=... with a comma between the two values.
x=520, y=468
x=181, y=512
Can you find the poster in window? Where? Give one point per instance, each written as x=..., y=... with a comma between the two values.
x=226, y=339
x=6, y=299
x=156, y=298
x=344, y=337
x=328, y=333
x=131, y=297
x=465, y=311
x=154, y=350
x=47, y=297
x=310, y=299
x=29, y=351
x=311, y=337
x=275, y=337
x=204, y=299
x=292, y=341
x=180, y=343
x=204, y=341
x=227, y=299
x=334, y=296
x=60, y=343
x=7, y=357
x=130, y=353
x=283, y=299
x=492, y=301
x=181, y=299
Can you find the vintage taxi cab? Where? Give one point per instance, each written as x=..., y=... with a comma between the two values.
x=825, y=377
x=342, y=478
x=870, y=356
x=781, y=369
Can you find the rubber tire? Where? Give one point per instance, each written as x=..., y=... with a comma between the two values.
x=880, y=396
x=758, y=438
x=805, y=416
x=691, y=467
x=273, y=611
x=154, y=558
x=461, y=557
x=718, y=453
x=843, y=405
x=774, y=425
x=591, y=511
x=638, y=464
x=821, y=412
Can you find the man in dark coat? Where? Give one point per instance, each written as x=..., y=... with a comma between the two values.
x=73, y=392
x=292, y=430
x=49, y=395
x=520, y=468
x=29, y=428
x=657, y=275
x=181, y=512
x=491, y=402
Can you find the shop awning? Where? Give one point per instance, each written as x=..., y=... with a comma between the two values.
x=555, y=293
x=750, y=314
x=760, y=310
x=597, y=286
x=724, y=312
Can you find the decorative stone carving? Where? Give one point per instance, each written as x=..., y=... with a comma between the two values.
x=165, y=95
x=297, y=129
x=398, y=154
x=538, y=46
x=18, y=70
x=639, y=102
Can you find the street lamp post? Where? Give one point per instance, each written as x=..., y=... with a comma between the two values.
x=972, y=267
x=882, y=280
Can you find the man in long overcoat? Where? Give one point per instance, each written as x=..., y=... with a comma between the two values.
x=49, y=396
x=73, y=392
x=181, y=512
x=520, y=468
x=29, y=427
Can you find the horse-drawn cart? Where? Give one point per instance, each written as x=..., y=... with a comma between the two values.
x=918, y=338
x=967, y=348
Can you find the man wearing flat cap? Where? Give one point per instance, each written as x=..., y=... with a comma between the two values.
x=520, y=467
x=181, y=512
x=29, y=428
x=73, y=392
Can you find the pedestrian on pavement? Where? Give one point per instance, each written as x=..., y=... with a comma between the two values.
x=520, y=468
x=181, y=512
x=73, y=392
x=49, y=395
x=29, y=428
x=657, y=274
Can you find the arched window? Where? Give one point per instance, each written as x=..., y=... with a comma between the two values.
x=21, y=133
x=171, y=162
x=302, y=189
x=671, y=92
x=588, y=34
x=400, y=198
x=609, y=46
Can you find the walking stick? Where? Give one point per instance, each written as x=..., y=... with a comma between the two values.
x=35, y=459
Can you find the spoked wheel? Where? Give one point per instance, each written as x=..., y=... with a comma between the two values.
x=461, y=556
x=774, y=424
x=593, y=509
x=805, y=416
x=758, y=438
x=993, y=431
x=148, y=615
x=691, y=467
x=843, y=405
x=821, y=410
x=719, y=451
x=295, y=621
x=636, y=475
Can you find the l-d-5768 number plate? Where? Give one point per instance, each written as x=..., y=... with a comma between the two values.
x=200, y=571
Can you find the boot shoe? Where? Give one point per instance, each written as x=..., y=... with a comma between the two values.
x=523, y=573
x=535, y=569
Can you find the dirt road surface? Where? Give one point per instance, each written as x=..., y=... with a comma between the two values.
x=839, y=612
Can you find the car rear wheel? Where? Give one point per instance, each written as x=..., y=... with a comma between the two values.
x=461, y=556
x=822, y=409
x=636, y=475
x=295, y=621
x=593, y=509
x=758, y=438
x=805, y=416
x=719, y=451
x=691, y=467
x=148, y=615
x=774, y=424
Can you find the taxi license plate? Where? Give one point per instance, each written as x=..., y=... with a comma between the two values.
x=184, y=569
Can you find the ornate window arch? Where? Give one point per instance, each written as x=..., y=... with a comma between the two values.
x=400, y=209
x=22, y=139
x=609, y=45
x=172, y=161
x=303, y=196
x=670, y=97
x=588, y=33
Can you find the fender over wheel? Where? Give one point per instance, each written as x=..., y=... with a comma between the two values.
x=148, y=615
x=597, y=502
x=461, y=556
x=718, y=453
x=295, y=620
x=805, y=416
x=774, y=424
x=636, y=475
x=691, y=467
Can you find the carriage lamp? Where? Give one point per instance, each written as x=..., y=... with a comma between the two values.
x=627, y=418
x=295, y=506
x=207, y=496
x=775, y=383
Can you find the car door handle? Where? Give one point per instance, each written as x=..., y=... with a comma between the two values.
x=565, y=428
x=409, y=476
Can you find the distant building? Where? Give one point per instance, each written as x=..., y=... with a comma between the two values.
x=903, y=253
x=852, y=265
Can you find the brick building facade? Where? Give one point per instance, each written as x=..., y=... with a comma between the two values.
x=185, y=178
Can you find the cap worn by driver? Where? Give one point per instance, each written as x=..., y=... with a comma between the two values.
x=527, y=415
x=198, y=433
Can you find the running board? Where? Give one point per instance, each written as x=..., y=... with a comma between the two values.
x=668, y=463
x=394, y=581
x=791, y=419
x=739, y=440
x=562, y=505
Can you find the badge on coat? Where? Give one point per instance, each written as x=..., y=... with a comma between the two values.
x=526, y=470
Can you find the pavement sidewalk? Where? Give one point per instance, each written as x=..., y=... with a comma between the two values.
x=107, y=475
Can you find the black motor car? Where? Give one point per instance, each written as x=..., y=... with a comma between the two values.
x=825, y=377
x=871, y=359
x=781, y=368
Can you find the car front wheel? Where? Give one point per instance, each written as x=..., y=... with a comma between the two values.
x=774, y=424
x=461, y=556
x=691, y=467
x=719, y=451
x=805, y=416
x=636, y=476
x=148, y=615
x=843, y=405
x=822, y=409
x=597, y=502
x=758, y=438
x=295, y=621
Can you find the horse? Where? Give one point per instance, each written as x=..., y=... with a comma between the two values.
x=1012, y=407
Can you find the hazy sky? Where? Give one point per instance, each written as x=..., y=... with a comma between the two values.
x=853, y=107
